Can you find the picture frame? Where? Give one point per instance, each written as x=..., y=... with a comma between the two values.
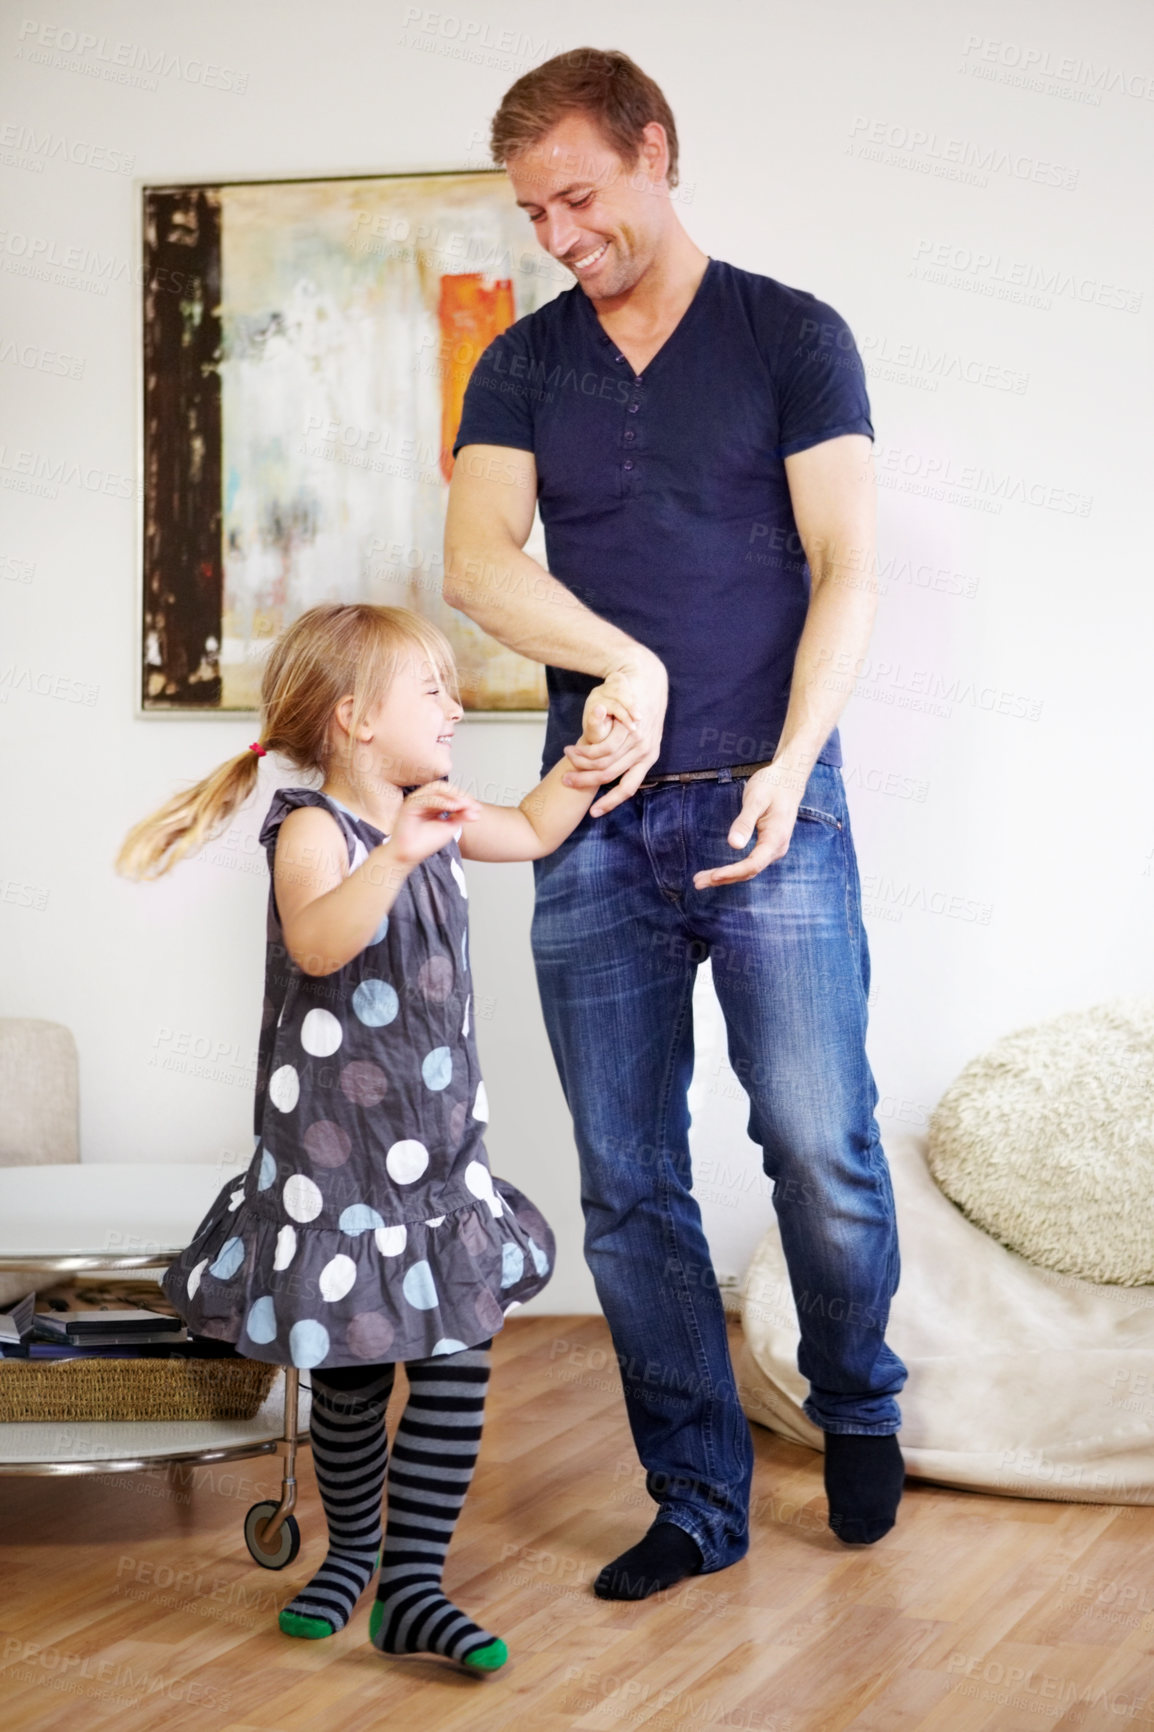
x=304, y=349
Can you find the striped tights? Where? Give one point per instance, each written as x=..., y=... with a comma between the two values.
x=434, y=1455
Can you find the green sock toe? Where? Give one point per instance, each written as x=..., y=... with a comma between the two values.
x=293, y=1624
x=488, y=1658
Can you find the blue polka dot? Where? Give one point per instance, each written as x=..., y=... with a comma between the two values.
x=512, y=1264
x=418, y=1287
x=308, y=1342
x=375, y=1002
x=379, y=934
x=229, y=1259
x=358, y=1218
x=437, y=1068
x=261, y=1325
x=267, y=1171
x=465, y=949
x=540, y=1261
x=447, y=1345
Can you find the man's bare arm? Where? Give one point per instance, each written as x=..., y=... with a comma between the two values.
x=488, y=576
x=832, y=491
x=834, y=499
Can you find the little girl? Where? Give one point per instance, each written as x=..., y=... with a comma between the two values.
x=368, y=1229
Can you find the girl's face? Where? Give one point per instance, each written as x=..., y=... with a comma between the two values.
x=410, y=732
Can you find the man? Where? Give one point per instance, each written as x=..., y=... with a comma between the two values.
x=698, y=438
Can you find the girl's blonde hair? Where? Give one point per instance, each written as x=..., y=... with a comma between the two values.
x=330, y=652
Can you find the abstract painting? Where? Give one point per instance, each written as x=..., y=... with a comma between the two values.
x=306, y=350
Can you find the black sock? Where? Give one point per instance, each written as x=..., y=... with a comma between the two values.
x=864, y=1475
x=664, y=1556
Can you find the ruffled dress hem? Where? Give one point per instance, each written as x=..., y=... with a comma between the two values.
x=312, y=1296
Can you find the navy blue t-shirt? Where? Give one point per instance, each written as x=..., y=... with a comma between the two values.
x=664, y=497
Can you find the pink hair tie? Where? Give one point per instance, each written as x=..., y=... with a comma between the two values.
x=258, y=749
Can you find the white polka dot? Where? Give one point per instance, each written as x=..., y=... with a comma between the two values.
x=418, y=1287
x=407, y=1160
x=479, y=1179
x=302, y=1198
x=284, y=1088
x=465, y=1024
x=360, y=854
x=447, y=1345
x=194, y=1278
x=286, y=1247
x=337, y=1277
x=458, y=874
x=481, y=1104
x=513, y=1305
x=321, y=1033
x=456, y=834
x=436, y=1221
x=391, y=1241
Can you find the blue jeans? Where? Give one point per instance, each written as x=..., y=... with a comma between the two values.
x=618, y=932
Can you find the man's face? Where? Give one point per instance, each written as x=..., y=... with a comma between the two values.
x=596, y=214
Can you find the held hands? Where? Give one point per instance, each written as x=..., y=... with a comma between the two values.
x=427, y=820
x=772, y=797
x=623, y=721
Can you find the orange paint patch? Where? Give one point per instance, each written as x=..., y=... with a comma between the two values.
x=470, y=315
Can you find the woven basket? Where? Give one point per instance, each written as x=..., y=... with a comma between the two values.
x=129, y=1389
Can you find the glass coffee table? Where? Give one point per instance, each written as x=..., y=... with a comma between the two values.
x=116, y=1217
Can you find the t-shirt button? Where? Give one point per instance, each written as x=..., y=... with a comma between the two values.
x=633, y=408
x=619, y=357
x=627, y=464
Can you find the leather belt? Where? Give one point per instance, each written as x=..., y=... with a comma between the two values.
x=727, y=772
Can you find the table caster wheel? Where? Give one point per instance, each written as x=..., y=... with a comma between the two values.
x=286, y=1543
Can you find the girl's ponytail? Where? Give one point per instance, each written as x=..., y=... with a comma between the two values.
x=178, y=827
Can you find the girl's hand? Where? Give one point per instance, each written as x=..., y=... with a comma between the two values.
x=623, y=721
x=427, y=820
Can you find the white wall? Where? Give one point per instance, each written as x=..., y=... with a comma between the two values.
x=1022, y=798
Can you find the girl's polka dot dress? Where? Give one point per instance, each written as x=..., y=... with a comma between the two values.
x=368, y=1227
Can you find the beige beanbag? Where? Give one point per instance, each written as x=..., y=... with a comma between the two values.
x=1021, y=1380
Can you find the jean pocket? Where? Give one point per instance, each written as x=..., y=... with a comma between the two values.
x=817, y=816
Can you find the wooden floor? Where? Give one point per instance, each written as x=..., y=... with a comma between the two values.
x=136, y=1606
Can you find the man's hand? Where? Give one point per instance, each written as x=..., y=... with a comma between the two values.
x=623, y=721
x=772, y=797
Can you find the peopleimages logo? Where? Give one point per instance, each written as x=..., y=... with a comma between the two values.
x=1023, y=64
x=928, y=152
x=131, y=63
x=1015, y=279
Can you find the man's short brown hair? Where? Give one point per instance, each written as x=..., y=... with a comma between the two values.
x=601, y=82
